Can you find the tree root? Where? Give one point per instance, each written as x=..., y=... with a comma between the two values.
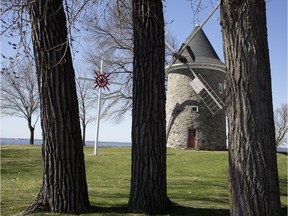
x=37, y=206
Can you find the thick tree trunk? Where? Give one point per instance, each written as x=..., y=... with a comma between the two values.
x=148, y=192
x=254, y=188
x=64, y=187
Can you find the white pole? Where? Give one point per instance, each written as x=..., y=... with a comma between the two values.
x=98, y=107
x=98, y=115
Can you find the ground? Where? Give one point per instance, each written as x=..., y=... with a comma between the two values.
x=197, y=180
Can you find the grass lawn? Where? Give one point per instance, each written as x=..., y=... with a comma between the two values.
x=197, y=180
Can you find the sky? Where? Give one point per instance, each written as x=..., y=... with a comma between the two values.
x=180, y=21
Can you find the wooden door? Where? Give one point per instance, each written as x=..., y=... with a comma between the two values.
x=191, y=138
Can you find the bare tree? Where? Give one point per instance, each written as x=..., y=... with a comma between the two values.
x=253, y=174
x=19, y=94
x=114, y=36
x=15, y=28
x=281, y=124
x=86, y=100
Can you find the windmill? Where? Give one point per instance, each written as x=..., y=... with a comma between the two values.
x=194, y=107
x=200, y=86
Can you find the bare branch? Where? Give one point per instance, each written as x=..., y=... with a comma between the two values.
x=281, y=124
x=19, y=93
x=113, y=34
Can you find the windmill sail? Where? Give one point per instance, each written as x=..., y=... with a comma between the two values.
x=192, y=36
x=209, y=97
x=197, y=85
x=195, y=52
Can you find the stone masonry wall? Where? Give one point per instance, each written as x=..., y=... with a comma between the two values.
x=180, y=117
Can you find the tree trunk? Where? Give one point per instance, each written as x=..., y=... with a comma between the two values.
x=31, y=135
x=83, y=134
x=253, y=175
x=64, y=187
x=31, y=129
x=148, y=192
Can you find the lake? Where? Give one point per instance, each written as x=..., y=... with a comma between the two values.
x=21, y=141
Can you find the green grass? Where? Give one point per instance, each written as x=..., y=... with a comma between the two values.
x=197, y=180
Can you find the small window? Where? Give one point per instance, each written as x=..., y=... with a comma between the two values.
x=220, y=88
x=194, y=108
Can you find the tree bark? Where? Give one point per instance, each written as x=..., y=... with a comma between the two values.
x=64, y=187
x=253, y=175
x=148, y=193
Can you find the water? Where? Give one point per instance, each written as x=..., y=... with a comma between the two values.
x=282, y=149
x=20, y=141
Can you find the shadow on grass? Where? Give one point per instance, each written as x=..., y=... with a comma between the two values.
x=284, y=211
x=187, y=211
x=174, y=210
x=119, y=209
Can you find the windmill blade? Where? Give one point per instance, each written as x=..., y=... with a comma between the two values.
x=85, y=78
x=192, y=36
x=170, y=47
x=200, y=27
x=209, y=97
x=188, y=48
x=175, y=53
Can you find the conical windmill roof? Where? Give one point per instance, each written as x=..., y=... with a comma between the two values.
x=200, y=50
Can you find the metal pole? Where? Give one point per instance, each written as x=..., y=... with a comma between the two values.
x=98, y=108
x=98, y=115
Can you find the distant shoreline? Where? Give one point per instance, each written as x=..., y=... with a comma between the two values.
x=23, y=141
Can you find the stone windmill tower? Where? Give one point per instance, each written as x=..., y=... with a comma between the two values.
x=195, y=112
